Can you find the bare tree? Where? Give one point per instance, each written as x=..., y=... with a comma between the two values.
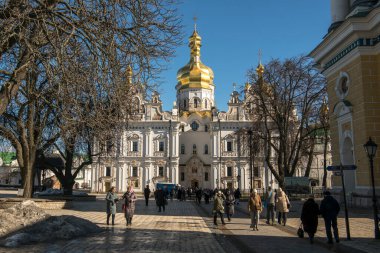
x=24, y=123
x=325, y=125
x=77, y=52
x=142, y=32
x=283, y=99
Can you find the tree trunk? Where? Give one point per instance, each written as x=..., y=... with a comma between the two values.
x=27, y=182
x=310, y=159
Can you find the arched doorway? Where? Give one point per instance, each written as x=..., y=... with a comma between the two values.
x=347, y=158
x=194, y=183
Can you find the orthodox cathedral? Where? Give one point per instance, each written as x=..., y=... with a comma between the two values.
x=193, y=145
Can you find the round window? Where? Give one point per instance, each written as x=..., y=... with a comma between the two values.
x=344, y=85
x=194, y=126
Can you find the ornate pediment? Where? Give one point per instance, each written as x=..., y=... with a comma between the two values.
x=194, y=161
x=160, y=163
x=228, y=137
x=133, y=137
x=160, y=137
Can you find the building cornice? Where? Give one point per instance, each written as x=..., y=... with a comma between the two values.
x=349, y=28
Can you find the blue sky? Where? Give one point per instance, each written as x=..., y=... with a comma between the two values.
x=233, y=31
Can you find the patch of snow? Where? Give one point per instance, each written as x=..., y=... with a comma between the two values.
x=34, y=225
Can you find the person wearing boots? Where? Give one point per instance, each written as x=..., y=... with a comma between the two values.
x=255, y=207
x=329, y=210
x=111, y=199
x=146, y=194
x=218, y=207
x=130, y=198
x=230, y=204
x=309, y=218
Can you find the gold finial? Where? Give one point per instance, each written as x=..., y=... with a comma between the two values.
x=129, y=74
x=195, y=44
x=195, y=23
x=260, y=54
x=260, y=67
x=247, y=86
x=324, y=108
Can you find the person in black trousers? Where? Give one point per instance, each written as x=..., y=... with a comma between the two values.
x=329, y=210
x=146, y=194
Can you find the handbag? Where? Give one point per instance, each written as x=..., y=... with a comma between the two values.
x=300, y=232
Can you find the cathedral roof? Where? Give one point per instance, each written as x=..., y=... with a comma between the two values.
x=195, y=74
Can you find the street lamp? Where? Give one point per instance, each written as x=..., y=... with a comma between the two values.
x=250, y=158
x=370, y=148
x=217, y=182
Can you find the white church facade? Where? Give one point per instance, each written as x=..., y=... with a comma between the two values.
x=193, y=145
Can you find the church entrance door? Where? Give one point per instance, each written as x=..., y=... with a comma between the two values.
x=108, y=186
x=194, y=183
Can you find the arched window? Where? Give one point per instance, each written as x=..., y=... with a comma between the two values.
x=184, y=103
x=206, y=103
x=195, y=103
x=182, y=149
x=206, y=149
x=194, y=149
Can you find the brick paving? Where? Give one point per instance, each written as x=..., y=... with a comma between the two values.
x=186, y=227
x=361, y=228
x=178, y=229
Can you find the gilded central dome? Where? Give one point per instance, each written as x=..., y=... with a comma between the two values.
x=195, y=74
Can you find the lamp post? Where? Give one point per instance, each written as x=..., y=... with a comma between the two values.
x=238, y=180
x=370, y=148
x=217, y=182
x=250, y=159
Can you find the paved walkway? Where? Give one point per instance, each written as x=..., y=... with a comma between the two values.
x=187, y=227
x=361, y=227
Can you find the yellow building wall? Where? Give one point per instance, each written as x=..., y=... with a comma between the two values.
x=364, y=95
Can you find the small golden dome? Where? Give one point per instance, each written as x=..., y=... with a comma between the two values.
x=195, y=74
x=129, y=74
x=260, y=70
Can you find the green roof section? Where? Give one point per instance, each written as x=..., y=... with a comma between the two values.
x=7, y=157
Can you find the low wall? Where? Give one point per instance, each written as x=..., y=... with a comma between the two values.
x=68, y=198
x=41, y=203
x=359, y=198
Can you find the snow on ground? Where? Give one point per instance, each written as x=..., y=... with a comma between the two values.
x=26, y=223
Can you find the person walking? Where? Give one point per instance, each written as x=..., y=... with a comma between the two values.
x=282, y=206
x=198, y=194
x=218, y=207
x=309, y=218
x=160, y=199
x=255, y=207
x=146, y=194
x=111, y=199
x=237, y=195
x=130, y=198
x=230, y=202
x=329, y=210
x=270, y=205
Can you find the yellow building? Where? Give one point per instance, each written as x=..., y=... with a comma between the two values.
x=349, y=57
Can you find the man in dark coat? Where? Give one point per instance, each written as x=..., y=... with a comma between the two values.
x=329, y=209
x=146, y=194
x=160, y=199
x=309, y=218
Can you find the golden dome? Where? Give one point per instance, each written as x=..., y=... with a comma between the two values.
x=129, y=74
x=195, y=74
x=260, y=70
